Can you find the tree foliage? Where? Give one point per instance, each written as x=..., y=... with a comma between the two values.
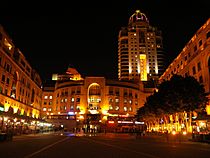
x=176, y=95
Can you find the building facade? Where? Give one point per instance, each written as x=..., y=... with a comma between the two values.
x=194, y=60
x=90, y=102
x=140, y=50
x=20, y=85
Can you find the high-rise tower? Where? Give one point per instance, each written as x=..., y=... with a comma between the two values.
x=140, y=50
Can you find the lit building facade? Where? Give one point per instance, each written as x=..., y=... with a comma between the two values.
x=91, y=101
x=20, y=86
x=194, y=60
x=140, y=50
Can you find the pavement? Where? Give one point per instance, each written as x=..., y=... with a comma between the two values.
x=162, y=138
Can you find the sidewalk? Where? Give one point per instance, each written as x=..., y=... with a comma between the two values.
x=31, y=135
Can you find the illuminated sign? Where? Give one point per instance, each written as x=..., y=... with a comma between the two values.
x=139, y=123
x=124, y=121
x=111, y=122
x=70, y=113
x=123, y=115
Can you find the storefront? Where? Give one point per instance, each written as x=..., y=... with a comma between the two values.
x=201, y=128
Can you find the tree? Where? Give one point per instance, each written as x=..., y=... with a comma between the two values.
x=178, y=95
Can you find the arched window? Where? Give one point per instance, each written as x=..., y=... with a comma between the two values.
x=94, y=96
x=94, y=90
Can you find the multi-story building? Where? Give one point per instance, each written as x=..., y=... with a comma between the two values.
x=91, y=101
x=194, y=60
x=20, y=84
x=140, y=50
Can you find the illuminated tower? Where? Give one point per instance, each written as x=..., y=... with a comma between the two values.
x=140, y=50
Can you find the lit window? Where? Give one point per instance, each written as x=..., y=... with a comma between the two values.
x=125, y=108
x=117, y=100
x=72, y=99
x=110, y=107
x=72, y=107
x=50, y=97
x=49, y=109
x=44, y=109
x=117, y=108
x=45, y=97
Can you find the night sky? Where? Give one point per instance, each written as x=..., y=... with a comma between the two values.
x=85, y=35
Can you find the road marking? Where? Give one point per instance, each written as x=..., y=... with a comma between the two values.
x=121, y=148
x=45, y=148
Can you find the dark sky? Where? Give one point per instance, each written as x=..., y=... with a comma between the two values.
x=84, y=35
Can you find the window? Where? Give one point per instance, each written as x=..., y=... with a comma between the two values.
x=3, y=78
x=72, y=107
x=110, y=90
x=110, y=107
x=201, y=79
x=194, y=71
x=117, y=108
x=125, y=92
x=200, y=43
x=110, y=100
x=1, y=89
x=199, y=66
x=50, y=97
x=125, y=108
x=78, y=100
x=45, y=97
x=7, y=81
x=78, y=107
x=186, y=74
x=195, y=48
x=117, y=100
x=50, y=103
x=44, y=109
x=117, y=92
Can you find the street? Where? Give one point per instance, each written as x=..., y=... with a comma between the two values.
x=59, y=145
